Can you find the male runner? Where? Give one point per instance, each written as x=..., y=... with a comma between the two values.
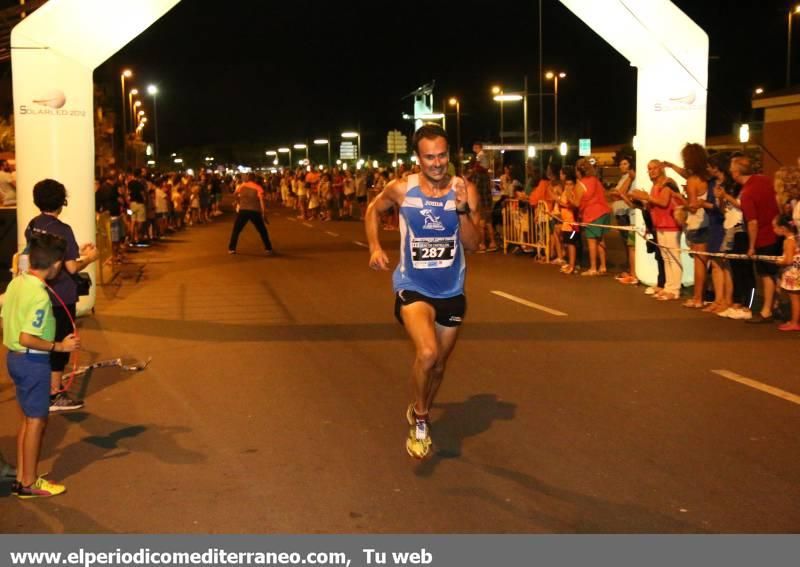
x=438, y=219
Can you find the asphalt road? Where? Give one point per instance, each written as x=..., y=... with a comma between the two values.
x=276, y=396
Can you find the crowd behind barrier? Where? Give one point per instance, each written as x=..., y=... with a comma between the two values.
x=739, y=226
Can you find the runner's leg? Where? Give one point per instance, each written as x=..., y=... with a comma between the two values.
x=446, y=338
x=418, y=319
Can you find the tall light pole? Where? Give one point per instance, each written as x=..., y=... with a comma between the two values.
x=508, y=97
x=792, y=12
x=134, y=108
x=457, y=103
x=322, y=142
x=153, y=90
x=131, y=94
x=555, y=76
x=284, y=151
x=358, y=141
x=516, y=97
x=302, y=147
x=126, y=74
x=497, y=92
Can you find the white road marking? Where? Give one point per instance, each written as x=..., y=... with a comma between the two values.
x=291, y=219
x=777, y=392
x=308, y=224
x=360, y=243
x=329, y=233
x=529, y=304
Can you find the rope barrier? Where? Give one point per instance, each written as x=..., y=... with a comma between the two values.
x=630, y=228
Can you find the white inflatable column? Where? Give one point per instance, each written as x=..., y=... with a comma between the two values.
x=670, y=53
x=54, y=52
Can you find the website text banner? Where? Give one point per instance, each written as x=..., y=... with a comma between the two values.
x=398, y=550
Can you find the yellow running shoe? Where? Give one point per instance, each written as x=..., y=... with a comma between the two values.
x=419, y=441
x=40, y=489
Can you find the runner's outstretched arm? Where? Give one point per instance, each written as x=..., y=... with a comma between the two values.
x=382, y=203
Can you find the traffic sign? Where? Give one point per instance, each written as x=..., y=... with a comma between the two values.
x=347, y=150
x=396, y=142
x=584, y=147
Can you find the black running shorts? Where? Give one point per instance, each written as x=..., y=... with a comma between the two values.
x=449, y=311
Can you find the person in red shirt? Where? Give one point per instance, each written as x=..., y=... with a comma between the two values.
x=760, y=207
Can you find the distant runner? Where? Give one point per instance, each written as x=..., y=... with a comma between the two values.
x=439, y=217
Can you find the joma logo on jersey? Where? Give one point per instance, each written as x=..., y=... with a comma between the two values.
x=432, y=204
x=432, y=222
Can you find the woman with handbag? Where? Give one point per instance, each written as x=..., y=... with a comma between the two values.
x=50, y=197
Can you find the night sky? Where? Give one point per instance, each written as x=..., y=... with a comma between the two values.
x=283, y=72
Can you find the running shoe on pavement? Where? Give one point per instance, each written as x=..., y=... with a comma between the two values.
x=62, y=402
x=39, y=489
x=419, y=441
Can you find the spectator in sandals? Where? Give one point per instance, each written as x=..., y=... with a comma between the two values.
x=663, y=199
x=570, y=232
x=590, y=198
x=695, y=171
x=621, y=206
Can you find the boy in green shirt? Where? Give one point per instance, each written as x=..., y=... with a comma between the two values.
x=28, y=332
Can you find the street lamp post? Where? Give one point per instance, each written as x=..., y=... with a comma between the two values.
x=289, y=151
x=792, y=12
x=457, y=103
x=126, y=74
x=503, y=97
x=555, y=77
x=153, y=90
x=322, y=142
x=302, y=147
x=498, y=92
x=134, y=108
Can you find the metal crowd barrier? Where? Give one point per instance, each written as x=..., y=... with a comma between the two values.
x=526, y=226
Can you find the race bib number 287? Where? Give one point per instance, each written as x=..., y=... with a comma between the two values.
x=430, y=253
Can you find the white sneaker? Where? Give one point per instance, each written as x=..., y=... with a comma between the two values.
x=729, y=313
x=744, y=314
x=651, y=290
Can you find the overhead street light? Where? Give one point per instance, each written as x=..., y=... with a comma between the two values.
x=286, y=151
x=457, y=103
x=302, y=147
x=322, y=142
x=555, y=76
x=152, y=90
x=126, y=74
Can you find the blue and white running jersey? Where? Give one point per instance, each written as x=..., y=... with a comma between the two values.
x=431, y=256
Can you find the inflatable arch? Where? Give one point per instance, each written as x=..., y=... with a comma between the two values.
x=55, y=50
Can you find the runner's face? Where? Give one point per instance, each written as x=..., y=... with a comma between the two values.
x=433, y=158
